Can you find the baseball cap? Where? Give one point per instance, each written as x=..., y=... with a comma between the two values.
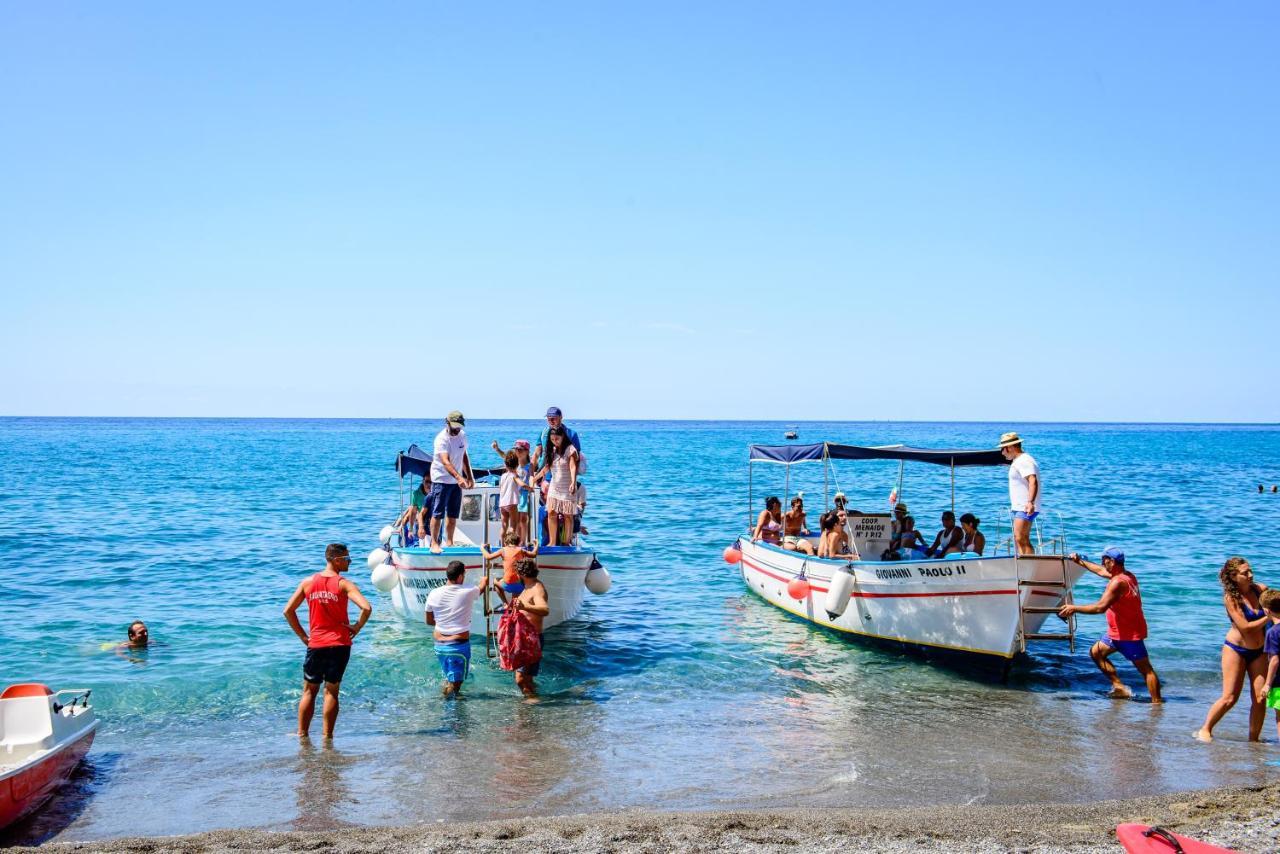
x=1114, y=553
x=553, y=412
x=455, y=419
x=522, y=443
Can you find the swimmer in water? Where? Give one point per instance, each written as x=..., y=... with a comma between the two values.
x=139, y=637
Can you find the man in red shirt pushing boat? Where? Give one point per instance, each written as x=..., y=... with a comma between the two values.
x=330, y=634
x=1126, y=626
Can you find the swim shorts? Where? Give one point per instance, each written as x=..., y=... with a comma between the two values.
x=1024, y=516
x=446, y=500
x=1132, y=650
x=1273, y=699
x=455, y=660
x=515, y=588
x=325, y=664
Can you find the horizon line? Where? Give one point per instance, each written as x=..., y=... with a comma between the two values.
x=634, y=420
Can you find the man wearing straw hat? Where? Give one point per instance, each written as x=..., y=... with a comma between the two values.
x=1024, y=490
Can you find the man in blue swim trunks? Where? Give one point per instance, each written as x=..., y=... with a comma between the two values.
x=449, y=613
x=1126, y=625
x=1024, y=490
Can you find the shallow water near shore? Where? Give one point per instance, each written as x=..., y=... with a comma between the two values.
x=677, y=690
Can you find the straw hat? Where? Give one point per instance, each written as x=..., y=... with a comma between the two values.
x=1009, y=439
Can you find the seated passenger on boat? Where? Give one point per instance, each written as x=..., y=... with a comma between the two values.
x=415, y=518
x=795, y=528
x=834, y=542
x=908, y=539
x=899, y=513
x=769, y=524
x=949, y=540
x=974, y=541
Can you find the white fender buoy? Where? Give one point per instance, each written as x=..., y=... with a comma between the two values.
x=385, y=577
x=838, y=592
x=388, y=531
x=598, y=580
x=376, y=557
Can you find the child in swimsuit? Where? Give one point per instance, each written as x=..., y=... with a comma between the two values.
x=1270, y=602
x=510, y=553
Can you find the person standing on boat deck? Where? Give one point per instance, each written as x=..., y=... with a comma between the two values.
x=949, y=539
x=556, y=419
x=1126, y=625
x=562, y=467
x=525, y=470
x=329, y=634
x=448, y=612
x=769, y=524
x=450, y=474
x=1242, y=649
x=1024, y=490
x=795, y=528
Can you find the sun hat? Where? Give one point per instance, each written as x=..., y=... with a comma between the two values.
x=1009, y=439
x=455, y=419
x=901, y=505
x=839, y=496
x=522, y=443
x=1114, y=553
x=553, y=412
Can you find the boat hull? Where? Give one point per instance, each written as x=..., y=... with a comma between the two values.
x=562, y=571
x=963, y=604
x=48, y=742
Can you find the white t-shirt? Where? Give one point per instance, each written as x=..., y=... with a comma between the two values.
x=1023, y=466
x=455, y=447
x=452, y=606
x=508, y=490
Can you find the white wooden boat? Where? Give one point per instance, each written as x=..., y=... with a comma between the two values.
x=990, y=605
x=408, y=573
x=43, y=737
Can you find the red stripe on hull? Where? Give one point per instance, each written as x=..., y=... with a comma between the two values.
x=26, y=791
x=857, y=594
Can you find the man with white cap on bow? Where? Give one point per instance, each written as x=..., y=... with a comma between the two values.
x=1024, y=490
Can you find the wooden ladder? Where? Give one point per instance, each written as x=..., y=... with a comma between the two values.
x=1070, y=634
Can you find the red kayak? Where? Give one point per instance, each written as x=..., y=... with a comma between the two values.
x=1156, y=840
x=43, y=737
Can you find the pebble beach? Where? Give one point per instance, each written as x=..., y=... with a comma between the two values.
x=1245, y=819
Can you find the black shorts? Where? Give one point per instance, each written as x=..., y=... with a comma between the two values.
x=326, y=664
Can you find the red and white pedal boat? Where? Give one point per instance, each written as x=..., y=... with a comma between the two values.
x=43, y=736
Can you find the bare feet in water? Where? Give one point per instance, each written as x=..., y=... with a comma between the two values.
x=1203, y=735
x=1120, y=692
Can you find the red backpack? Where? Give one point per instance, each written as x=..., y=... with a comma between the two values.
x=518, y=641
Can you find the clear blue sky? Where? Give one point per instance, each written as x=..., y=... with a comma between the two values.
x=649, y=210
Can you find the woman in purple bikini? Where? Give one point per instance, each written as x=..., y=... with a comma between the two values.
x=1242, y=650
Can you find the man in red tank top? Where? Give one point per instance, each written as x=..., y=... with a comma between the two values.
x=329, y=640
x=1126, y=626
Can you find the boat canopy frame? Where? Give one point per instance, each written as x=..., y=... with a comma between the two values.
x=825, y=452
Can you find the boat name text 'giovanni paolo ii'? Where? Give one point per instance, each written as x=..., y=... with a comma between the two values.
x=903, y=572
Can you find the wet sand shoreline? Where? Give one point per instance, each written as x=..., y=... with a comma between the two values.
x=1244, y=818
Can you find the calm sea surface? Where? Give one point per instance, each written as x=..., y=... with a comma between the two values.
x=677, y=690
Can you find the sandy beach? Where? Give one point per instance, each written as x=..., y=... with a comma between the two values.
x=1247, y=819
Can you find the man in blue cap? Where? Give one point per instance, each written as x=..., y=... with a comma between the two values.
x=554, y=419
x=1126, y=626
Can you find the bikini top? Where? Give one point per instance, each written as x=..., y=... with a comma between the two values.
x=1249, y=614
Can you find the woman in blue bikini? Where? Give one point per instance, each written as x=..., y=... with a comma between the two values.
x=1242, y=650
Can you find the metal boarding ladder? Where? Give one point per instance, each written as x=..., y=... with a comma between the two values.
x=1023, y=635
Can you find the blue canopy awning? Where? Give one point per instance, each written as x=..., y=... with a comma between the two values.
x=418, y=462
x=811, y=453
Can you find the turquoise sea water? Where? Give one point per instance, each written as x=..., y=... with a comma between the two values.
x=677, y=690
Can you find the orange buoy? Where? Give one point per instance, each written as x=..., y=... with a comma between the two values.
x=798, y=588
x=732, y=554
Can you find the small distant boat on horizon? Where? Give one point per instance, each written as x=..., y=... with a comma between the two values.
x=42, y=740
x=988, y=605
x=792, y=433
x=408, y=573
